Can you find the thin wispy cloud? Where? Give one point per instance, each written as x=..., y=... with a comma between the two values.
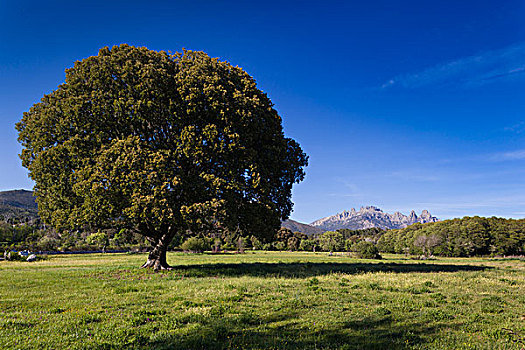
x=345, y=195
x=413, y=176
x=506, y=156
x=483, y=68
x=349, y=189
x=517, y=128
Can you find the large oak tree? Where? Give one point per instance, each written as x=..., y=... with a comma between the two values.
x=163, y=144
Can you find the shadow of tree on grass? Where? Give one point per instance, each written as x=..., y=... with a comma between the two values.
x=250, y=332
x=309, y=269
x=282, y=325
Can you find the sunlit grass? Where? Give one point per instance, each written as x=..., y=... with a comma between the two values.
x=262, y=300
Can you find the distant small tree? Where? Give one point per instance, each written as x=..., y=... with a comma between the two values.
x=283, y=235
x=99, y=239
x=367, y=250
x=47, y=243
x=279, y=245
x=122, y=237
x=331, y=241
x=268, y=246
x=350, y=243
x=432, y=242
x=307, y=245
x=293, y=243
x=421, y=242
x=256, y=243
x=217, y=243
x=427, y=243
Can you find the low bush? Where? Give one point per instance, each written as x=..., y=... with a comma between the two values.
x=195, y=245
x=367, y=250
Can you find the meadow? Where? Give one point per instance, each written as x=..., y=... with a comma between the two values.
x=262, y=300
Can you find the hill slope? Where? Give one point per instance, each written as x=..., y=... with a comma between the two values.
x=18, y=204
x=295, y=226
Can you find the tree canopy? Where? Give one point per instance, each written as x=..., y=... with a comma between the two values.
x=162, y=144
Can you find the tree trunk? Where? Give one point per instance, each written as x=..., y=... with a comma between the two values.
x=157, y=256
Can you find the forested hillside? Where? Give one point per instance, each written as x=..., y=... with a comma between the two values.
x=458, y=237
x=17, y=206
x=295, y=226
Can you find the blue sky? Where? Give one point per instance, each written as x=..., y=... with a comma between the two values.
x=399, y=104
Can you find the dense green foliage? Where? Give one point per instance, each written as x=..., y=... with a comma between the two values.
x=99, y=239
x=164, y=145
x=264, y=300
x=331, y=241
x=367, y=250
x=458, y=237
x=35, y=238
x=195, y=245
x=285, y=239
x=12, y=234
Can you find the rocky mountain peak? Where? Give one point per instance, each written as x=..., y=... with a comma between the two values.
x=425, y=214
x=397, y=216
x=369, y=208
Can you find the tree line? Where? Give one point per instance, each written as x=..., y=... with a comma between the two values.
x=34, y=236
x=469, y=236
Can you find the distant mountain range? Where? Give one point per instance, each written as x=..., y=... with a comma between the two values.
x=366, y=217
x=18, y=204
x=371, y=216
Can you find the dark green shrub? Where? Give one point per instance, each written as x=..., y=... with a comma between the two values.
x=267, y=246
x=349, y=245
x=279, y=246
x=331, y=241
x=98, y=239
x=48, y=243
x=256, y=243
x=195, y=245
x=367, y=250
x=307, y=245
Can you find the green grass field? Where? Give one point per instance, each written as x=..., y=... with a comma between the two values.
x=270, y=300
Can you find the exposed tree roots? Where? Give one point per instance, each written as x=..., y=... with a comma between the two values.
x=157, y=257
x=156, y=265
